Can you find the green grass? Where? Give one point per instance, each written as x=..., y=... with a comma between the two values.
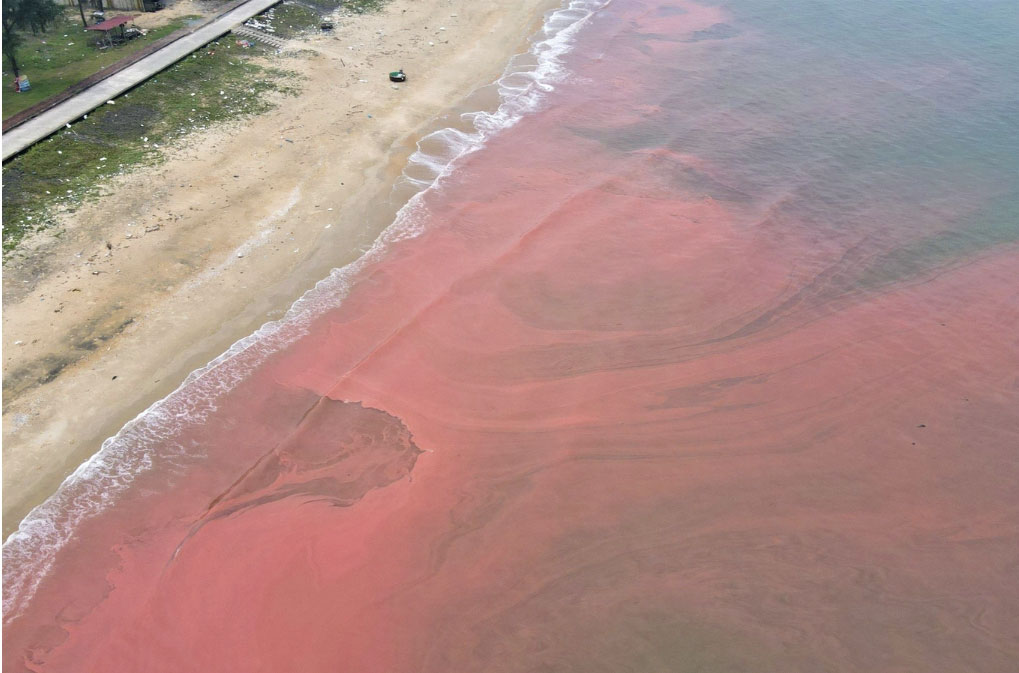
x=292, y=17
x=64, y=55
x=289, y=19
x=349, y=6
x=58, y=173
x=363, y=6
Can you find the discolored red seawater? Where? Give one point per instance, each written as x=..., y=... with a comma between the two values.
x=594, y=418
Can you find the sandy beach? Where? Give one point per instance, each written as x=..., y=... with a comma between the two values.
x=180, y=260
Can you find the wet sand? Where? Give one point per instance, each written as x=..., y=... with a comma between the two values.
x=296, y=192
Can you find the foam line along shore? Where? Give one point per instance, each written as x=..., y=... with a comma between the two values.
x=95, y=485
x=229, y=231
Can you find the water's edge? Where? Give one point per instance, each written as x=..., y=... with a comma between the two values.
x=29, y=552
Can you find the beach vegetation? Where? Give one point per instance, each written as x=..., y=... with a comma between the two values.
x=64, y=55
x=363, y=6
x=288, y=19
x=217, y=84
x=292, y=17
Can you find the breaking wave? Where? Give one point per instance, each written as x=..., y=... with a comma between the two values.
x=29, y=552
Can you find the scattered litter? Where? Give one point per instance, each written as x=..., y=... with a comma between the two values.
x=102, y=158
x=240, y=254
x=110, y=102
x=326, y=208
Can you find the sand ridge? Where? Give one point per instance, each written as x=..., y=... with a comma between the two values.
x=182, y=259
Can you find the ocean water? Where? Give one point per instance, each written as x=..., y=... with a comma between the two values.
x=698, y=354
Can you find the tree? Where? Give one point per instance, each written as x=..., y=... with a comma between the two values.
x=12, y=40
x=43, y=13
x=35, y=15
x=81, y=8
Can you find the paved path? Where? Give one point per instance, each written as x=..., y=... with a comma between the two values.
x=73, y=108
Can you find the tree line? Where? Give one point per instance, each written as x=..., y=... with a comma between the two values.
x=33, y=15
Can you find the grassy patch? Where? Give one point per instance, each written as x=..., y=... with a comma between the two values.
x=221, y=82
x=363, y=6
x=65, y=55
x=292, y=17
x=287, y=19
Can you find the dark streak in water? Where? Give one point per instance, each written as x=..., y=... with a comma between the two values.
x=338, y=452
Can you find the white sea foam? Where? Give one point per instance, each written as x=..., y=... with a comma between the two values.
x=29, y=552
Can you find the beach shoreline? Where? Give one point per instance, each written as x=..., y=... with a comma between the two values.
x=180, y=260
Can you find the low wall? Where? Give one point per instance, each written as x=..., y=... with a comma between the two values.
x=129, y=5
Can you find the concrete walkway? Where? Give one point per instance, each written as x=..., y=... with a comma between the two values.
x=34, y=130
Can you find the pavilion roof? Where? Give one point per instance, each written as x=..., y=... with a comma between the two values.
x=110, y=24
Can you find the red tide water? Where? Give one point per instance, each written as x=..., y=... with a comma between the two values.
x=589, y=420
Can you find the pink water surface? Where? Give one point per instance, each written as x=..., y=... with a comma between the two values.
x=590, y=420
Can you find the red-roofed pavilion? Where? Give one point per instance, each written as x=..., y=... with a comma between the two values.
x=112, y=24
